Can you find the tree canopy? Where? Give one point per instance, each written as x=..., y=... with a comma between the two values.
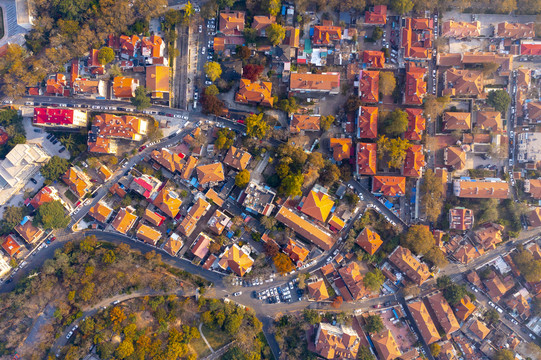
x=52, y=215
x=225, y=139
x=434, y=106
x=212, y=90
x=276, y=33
x=213, y=70
x=325, y=122
x=418, y=239
x=396, y=122
x=141, y=100
x=212, y=105
x=374, y=324
x=242, y=179
x=106, y=55
x=504, y=354
x=527, y=265
x=432, y=195
x=292, y=184
x=256, y=126
x=500, y=100
x=402, y=6
x=373, y=280
x=387, y=82
x=252, y=71
x=393, y=149
x=55, y=168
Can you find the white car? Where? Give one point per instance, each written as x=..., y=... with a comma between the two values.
x=200, y=28
x=203, y=50
x=238, y=293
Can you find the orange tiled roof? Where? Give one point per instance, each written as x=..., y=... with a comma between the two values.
x=369, y=241
x=369, y=86
x=125, y=127
x=101, y=211
x=235, y=259
x=460, y=82
x=366, y=158
x=210, y=173
x=218, y=222
x=29, y=232
x=148, y=234
x=404, y=260
x=153, y=218
x=496, y=287
x=336, y=222
x=326, y=35
x=444, y=314
x=292, y=37
x=367, y=122
x=102, y=145
x=259, y=92
x=168, y=201
x=489, y=235
x=152, y=46
x=481, y=189
x=231, y=23
x=336, y=342
x=318, y=205
x=213, y=195
x=157, y=80
x=342, y=148
x=196, y=212
x=124, y=221
x=517, y=31
x=173, y=245
x=378, y=15
x=301, y=122
x=318, y=291
x=417, y=38
x=189, y=167
x=296, y=252
x=78, y=181
x=260, y=23
x=460, y=219
x=457, y=121
x=416, y=124
x=324, y=82
x=353, y=275
x=104, y=173
x=200, y=247
x=455, y=157
x=237, y=158
x=116, y=189
x=479, y=329
x=489, y=120
x=389, y=185
x=464, y=309
x=375, y=59
x=124, y=87
x=129, y=44
x=415, y=86
x=45, y=195
x=461, y=29
x=414, y=162
x=56, y=85
x=424, y=321
x=168, y=159
x=386, y=345
x=466, y=253
x=534, y=217
x=11, y=246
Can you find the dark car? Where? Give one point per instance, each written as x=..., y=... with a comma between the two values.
x=49, y=136
x=55, y=142
x=161, y=113
x=85, y=106
x=62, y=150
x=33, y=180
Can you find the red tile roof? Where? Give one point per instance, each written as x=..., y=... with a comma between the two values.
x=377, y=16
x=342, y=148
x=530, y=48
x=444, y=315
x=353, y=275
x=369, y=86
x=386, y=345
x=424, y=321
x=415, y=86
x=237, y=158
x=481, y=189
x=317, y=205
x=336, y=342
x=45, y=195
x=414, y=161
x=201, y=246
x=324, y=82
x=367, y=122
x=517, y=31
x=255, y=93
x=124, y=221
x=301, y=122
x=210, y=173
x=459, y=82
x=461, y=29
x=10, y=245
x=461, y=219
x=296, y=252
x=366, y=158
x=375, y=59
x=457, y=121
x=232, y=23
x=326, y=35
x=417, y=38
x=59, y=117
x=389, y=185
x=235, y=259
x=369, y=241
x=416, y=124
x=318, y=291
x=410, y=265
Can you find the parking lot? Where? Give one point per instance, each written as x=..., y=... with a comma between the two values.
x=286, y=293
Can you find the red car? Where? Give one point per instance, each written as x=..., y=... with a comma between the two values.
x=142, y=148
x=240, y=122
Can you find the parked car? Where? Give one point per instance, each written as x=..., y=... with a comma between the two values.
x=33, y=180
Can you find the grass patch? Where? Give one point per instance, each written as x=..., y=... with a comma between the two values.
x=199, y=346
x=216, y=338
x=71, y=197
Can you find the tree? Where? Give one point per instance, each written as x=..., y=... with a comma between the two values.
x=489, y=68
x=491, y=316
x=276, y=33
x=283, y=263
x=148, y=9
x=500, y=100
x=454, y=293
x=364, y=353
x=291, y=185
x=436, y=257
x=329, y=174
x=242, y=179
x=140, y=100
x=212, y=105
x=315, y=161
x=387, y=82
x=188, y=10
x=374, y=324
x=117, y=315
x=377, y=33
x=273, y=6
x=325, y=122
x=109, y=257
x=373, y=280
x=51, y=215
x=233, y=323
x=252, y=71
x=352, y=104
x=311, y=316
x=13, y=215
x=256, y=126
x=225, y=139
x=431, y=195
x=250, y=35
x=268, y=222
x=271, y=249
x=435, y=349
x=504, y=354
x=443, y=281
x=337, y=302
x=106, y=55
x=394, y=149
x=418, y=239
x=402, y=6
x=212, y=90
x=527, y=265
x=434, y=106
x=213, y=70
x=396, y=122
x=55, y=168
x=124, y=349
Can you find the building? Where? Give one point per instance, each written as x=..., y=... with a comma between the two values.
x=255, y=93
x=218, y=222
x=464, y=309
x=489, y=235
x=326, y=35
x=479, y=329
x=515, y=31
x=366, y=158
x=369, y=240
x=416, y=124
x=56, y=85
x=336, y=342
x=369, y=86
x=237, y=158
x=410, y=265
x=231, y=23
x=414, y=161
x=107, y=127
x=489, y=120
x=377, y=15
x=529, y=147
x=342, y=148
x=210, y=174
x=389, y=185
x=296, y=252
x=148, y=234
x=146, y=186
x=44, y=195
x=463, y=83
x=457, y=121
x=367, y=122
x=87, y=87
x=496, y=287
x=352, y=275
x=128, y=45
x=101, y=212
x=189, y=168
x=173, y=244
x=152, y=47
x=59, y=118
x=124, y=220
x=153, y=217
x=415, y=87
x=317, y=204
x=460, y=219
x=324, y=83
x=424, y=321
x=29, y=232
x=200, y=247
x=12, y=247
x=374, y=59
x=443, y=314
x=306, y=229
x=530, y=47
x=168, y=159
x=301, y=122
x=386, y=346
x=461, y=29
x=534, y=217
x=195, y=213
x=124, y=87
x=78, y=182
x=104, y=173
x=236, y=259
x=417, y=38
x=481, y=189
x=19, y=165
x=157, y=82
x=454, y=157
x=261, y=23
x=258, y=199
x=168, y=201
x=317, y=290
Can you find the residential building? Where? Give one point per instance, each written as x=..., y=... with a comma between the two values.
x=124, y=220
x=454, y=157
x=200, y=247
x=377, y=15
x=410, y=265
x=424, y=321
x=258, y=199
x=336, y=342
x=464, y=309
x=173, y=244
x=529, y=147
x=152, y=47
x=195, y=213
x=479, y=329
x=489, y=120
x=236, y=259
x=88, y=87
x=218, y=222
x=59, y=118
x=168, y=201
x=44, y=195
x=11, y=246
x=369, y=86
x=417, y=38
x=324, y=83
x=129, y=46
x=366, y=158
x=157, y=82
x=389, y=185
x=336, y=223
x=146, y=186
x=296, y=252
x=530, y=48
x=29, y=232
x=104, y=173
x=214, y=197
x=416, y=124
x=255, y=93
x=189, y=168
x=124, y=87
x=101, y=145
x=415, y=87
x=461, y=29
x=534, y=217
x=352, y=275
x=367, y=122
x=237, y=158
x=56, y=85
x=515, y=31
x=303, y=122
x=147, y=234
x=374, y=59
x=210, y=174
x=457, y=121
x=519, y=304
x=118, y=127
x=463, y=83
x=443, y=314
x=326, y=35
x=4, y=265
x=306, y=229
x=497, y=287
x=317, y=290
x=461, y=219
x=78, y=182
x=342, y=148
x=292, y=38
x=481, y=189
x=261, y=23
x=168, y=159
x=101, y=212
x=489, y=235
x=369, y=240
x=317, y=204
x=466, y=253
x=153, y=217
x=414, y=161
x=231, y=23
x=386, y=346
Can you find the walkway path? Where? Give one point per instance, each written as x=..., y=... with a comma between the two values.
x=204, y=338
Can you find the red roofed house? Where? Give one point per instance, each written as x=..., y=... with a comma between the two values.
x=261, y=23
x=369, y=86
x=56, y=84
x=300, y=123
x=417, y=38
x=231, y=23
x=129, y=45
x=145, y=185
x=342, y=148
x=415, y=85
x=296, y=252
x=369, y=241
x=153, y=46
x=377, y=15
x=321, y=83
x=10, y=245
x=326, y=35
x=54, y=117
x=416, y=124
x=255, y=93
x=366, y=158
x=353, y=275
x=460, y=219
x=530, y=47
x=336, y=342
x=414, y=161
x=457, y=121
x=389, y=185
x=424, y=321
x=367, y=122
x=200, y=248
x=318, y=291
x=374, y=59
x=45, y=195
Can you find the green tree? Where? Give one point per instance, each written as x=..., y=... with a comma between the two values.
x=500, y=100
x=276, y=33
x=504, y=354
x=387, y=82
x=325, y=122
x=233, y=323
x=394, y=149
x=256, y=126
x=402, y=6
x=109, y=257
x=315, y=161
x=140, y=100
x=443, y=281
x=329, y=174
x=454, y=293
x=435, y=349
x=365, y=354
x=213, y=70
x=436, y=257
x=373, y=280
x=418, y=239
x=377, y=34
x=292, y=184
x=374, y=324
x=225, y=139
x=250, y=35
x=491, y=316
x=51, y=215
x=431, y=195
x=212, y=90
x=242, y=179
x=527, y=265
x=13, y=215
x=106, y=55
x=55, y=168
x=311, y=316
x=188, y=10
x=396, y=122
